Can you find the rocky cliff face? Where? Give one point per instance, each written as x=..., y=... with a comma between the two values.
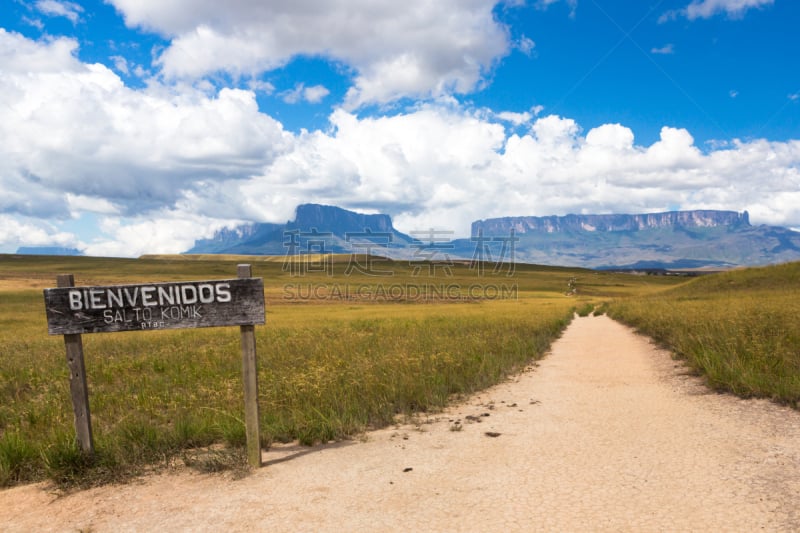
x=606, y=223
x=315, y=227
x=337, y=220
x=675, y=239
x=245, y=239
x=48, y=250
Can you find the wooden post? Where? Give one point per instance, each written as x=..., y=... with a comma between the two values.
x=250, y=378
x=77, y=381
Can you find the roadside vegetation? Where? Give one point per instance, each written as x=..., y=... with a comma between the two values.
x=345, y=349
x=739, y=329
x=348, y=346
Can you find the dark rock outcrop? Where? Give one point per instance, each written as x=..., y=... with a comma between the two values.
x=48, y=250
x=315, y=229
x=572, y=223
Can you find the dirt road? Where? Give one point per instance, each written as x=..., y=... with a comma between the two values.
x=608, y=433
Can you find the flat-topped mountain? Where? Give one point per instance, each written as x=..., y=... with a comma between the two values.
x=48, y=250
x=673, y=239
x=337, y=220
x=315, y=229
x=562, y=224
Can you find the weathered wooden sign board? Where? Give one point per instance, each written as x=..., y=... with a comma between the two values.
x=72, y=311
x=186, y=304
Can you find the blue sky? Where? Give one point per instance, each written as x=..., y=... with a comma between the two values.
x=137, y=126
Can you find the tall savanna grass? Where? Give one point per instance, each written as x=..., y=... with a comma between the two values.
x=739, y=329
x=154, y=394
x=327, y=369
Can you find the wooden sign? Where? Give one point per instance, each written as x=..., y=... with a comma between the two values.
x=184, y=304
x=72, y=311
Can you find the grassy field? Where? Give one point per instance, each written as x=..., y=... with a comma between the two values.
x=350, y=344
x=739, y=329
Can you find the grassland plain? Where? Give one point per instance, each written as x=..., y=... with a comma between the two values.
x=350, y=344
x=739, y=329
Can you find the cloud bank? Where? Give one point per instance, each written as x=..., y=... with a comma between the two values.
x=153, y=169
x=415, y=48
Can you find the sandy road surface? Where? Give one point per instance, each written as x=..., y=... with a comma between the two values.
x=606, y=434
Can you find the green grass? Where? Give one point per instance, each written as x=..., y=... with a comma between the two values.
x=321, y=378
x=330, y=366
x=346, y=357
x=739, y=329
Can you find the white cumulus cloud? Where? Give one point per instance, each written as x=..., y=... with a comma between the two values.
x=732, y=8
x=301, y=93
x=76, y=128
x=416, y=48
x=167, y=164
x=704, y=9
x=15, y=232
x=55, y=8
x=161, y=232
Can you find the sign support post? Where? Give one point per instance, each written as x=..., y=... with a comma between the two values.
x=79, y=391
x=250, y=379
x=72, y=311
